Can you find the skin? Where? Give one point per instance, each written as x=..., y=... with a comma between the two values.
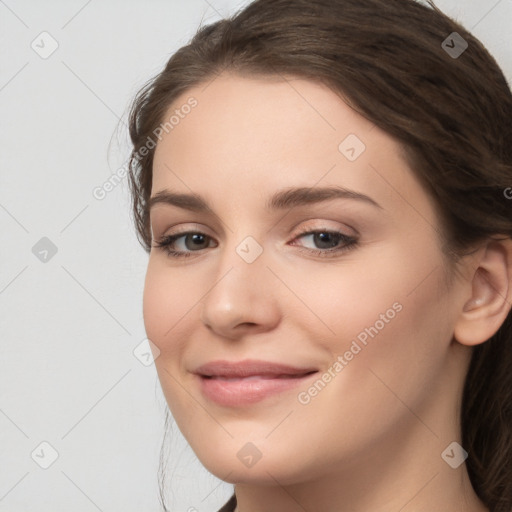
x=372, y=439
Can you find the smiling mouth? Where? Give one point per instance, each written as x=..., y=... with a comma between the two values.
x=244, y=391
x=258, y=377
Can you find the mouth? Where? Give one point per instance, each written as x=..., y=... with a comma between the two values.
x=257, y=377
x=248, y=382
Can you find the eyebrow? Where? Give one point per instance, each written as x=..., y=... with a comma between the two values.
x=287, y=198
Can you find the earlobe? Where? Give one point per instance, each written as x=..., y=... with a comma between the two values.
x=490, y=301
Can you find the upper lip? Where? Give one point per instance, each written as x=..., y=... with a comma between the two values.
x=248, y=368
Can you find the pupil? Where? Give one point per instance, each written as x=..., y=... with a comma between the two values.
x=197, y=240
x=328, y=239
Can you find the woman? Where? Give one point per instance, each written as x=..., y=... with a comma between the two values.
x=323, y=188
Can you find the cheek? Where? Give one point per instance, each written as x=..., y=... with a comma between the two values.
x=155, y=306
x=398, y=362
x=167, y=300
x=351, y=295
x=387, y=313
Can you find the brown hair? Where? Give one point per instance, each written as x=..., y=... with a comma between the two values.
x=451, y=113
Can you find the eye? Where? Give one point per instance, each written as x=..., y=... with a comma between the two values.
x=192, y=242
x=327, y=242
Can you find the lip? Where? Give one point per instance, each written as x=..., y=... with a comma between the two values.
x=249, y=381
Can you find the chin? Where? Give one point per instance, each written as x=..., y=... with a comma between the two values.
x=244, y=465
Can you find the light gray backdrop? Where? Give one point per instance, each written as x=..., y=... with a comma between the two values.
x=81, y=410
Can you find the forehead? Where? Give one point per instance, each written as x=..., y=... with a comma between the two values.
x=250, y=110
x=253, y=135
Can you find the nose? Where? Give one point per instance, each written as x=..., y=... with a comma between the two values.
x=240, y=300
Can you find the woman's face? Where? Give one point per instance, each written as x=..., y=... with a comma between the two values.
x=362, y=300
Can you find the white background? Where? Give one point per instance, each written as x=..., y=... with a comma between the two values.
x=68, y=326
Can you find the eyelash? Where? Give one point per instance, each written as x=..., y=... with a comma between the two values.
x=350, y=243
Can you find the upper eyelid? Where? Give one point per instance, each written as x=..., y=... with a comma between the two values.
x=356, y=216
x=198, y=228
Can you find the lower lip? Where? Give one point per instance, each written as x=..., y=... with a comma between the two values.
x=239, y=392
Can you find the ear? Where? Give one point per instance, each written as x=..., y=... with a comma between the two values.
x=490, y=298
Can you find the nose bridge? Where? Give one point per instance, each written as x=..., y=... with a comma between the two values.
x=240, y=292
x=240, y=272
x=242, y=259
